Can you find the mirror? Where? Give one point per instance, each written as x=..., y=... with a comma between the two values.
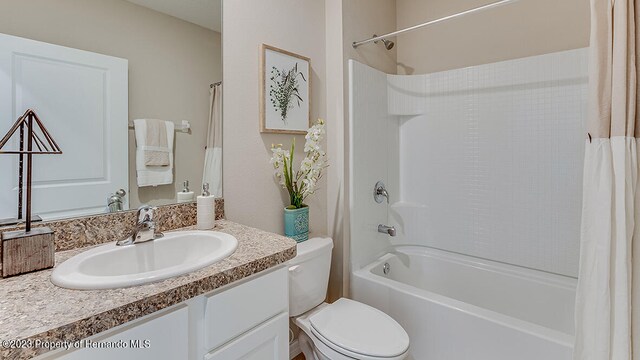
x=125, y=88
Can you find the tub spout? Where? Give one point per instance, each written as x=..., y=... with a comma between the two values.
x=390, y=230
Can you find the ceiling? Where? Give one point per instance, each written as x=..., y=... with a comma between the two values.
x=206, y=13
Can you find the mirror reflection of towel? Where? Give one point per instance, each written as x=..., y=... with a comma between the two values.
x=153, y=175
x=156, y=149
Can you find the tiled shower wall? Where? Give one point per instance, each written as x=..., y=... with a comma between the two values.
x=488, y=159
x=491, y=159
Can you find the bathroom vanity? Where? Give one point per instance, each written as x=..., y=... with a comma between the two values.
x=235, y=308
x=229, y=323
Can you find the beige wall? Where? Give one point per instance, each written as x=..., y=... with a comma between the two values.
x=252, y=196
x=362, y=19
x=524, y=28
x=171, y=64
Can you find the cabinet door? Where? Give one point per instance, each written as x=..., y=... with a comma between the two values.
x=268, y=341
x=163, y=336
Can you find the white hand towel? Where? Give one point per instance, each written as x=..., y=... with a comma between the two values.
x=156, y=149
x=152, y=175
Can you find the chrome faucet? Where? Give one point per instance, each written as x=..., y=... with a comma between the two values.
x=115, y=201
x=379, y=191
x=145, y=228
x=390, y=230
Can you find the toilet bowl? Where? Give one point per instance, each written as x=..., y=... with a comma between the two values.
x=345, y=329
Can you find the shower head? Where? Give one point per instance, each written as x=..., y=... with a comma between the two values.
x=388, y=44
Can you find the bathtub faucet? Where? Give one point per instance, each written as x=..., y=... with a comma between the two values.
x=390, y=230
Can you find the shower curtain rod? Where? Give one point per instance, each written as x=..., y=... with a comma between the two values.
x=355, y=44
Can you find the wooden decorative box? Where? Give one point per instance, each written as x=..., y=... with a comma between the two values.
x=24, y=252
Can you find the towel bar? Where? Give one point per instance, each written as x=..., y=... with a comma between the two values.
x=183, y=127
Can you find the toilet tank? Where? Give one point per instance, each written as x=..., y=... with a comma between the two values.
x=309, y=275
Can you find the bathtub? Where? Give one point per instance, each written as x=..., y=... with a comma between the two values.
x=456, y=307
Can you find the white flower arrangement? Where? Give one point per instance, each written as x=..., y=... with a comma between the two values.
x=303, y=182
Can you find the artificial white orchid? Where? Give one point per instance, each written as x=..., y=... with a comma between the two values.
x=303, y=182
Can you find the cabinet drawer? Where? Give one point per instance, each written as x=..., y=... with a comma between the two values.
x=269, y=341
x=244, y=306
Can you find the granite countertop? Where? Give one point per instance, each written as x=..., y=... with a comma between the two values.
x=32, y=308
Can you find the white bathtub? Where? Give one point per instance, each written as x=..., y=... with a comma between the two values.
x=456, y=307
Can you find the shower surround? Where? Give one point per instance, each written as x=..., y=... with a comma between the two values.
x=485, y=162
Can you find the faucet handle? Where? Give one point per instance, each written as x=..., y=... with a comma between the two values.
x=379, y=191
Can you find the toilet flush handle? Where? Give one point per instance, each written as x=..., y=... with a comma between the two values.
x=295, y=269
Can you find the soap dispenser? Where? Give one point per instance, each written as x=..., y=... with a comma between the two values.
x=185, y=195
x=206, y=209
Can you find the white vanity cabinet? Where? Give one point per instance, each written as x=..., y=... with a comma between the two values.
x=243, y=320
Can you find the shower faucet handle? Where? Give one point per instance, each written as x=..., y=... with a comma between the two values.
x=379, y=191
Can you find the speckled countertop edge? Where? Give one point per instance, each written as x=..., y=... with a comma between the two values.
x=31, y=307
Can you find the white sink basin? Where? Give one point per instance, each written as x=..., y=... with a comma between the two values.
x=110, y=266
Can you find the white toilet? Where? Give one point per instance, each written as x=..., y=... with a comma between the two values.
x=345, y=329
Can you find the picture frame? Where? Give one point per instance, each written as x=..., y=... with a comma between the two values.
x=285, y=91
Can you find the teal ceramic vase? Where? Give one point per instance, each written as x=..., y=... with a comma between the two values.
x=296, y=223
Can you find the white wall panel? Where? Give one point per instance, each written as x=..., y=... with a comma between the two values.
x=491, y=159
x=369, y=150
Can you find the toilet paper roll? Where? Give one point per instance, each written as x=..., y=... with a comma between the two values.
x=205, y=212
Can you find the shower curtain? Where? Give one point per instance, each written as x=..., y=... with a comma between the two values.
x=213, y=154
x=608, y=295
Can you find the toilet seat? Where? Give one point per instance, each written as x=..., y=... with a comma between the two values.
x=343, y=354
x=358, y=331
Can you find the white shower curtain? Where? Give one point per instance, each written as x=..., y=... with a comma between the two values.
x=607, y=301
x=213, y=154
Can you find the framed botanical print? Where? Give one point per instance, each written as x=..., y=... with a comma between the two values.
x=285, y=91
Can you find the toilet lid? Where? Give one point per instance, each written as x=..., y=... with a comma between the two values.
x=360, y=328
